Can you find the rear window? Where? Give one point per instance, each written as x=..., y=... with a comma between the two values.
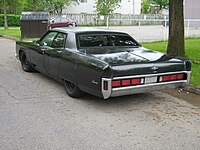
x=99, y=40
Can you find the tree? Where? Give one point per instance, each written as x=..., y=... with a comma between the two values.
x=15, y=6
x=104, y=7
x=54, y=6
x=5, y=15
x=162, y=3
x=34, y=5
x=146, y=6
x=176, y=44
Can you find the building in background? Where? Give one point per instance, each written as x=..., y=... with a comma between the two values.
x=192, y=14
x=88, y=6
x=192, y=8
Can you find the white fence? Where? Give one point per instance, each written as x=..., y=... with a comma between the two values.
x=115, y=19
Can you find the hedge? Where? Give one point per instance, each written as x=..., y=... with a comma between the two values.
x=13, y=20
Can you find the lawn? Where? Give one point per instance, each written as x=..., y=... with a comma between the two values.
x=192, y=49
x=13, y=31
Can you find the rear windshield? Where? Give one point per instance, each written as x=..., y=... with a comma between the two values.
x=99, y=40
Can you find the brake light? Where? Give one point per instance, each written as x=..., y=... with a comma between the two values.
x=126, y=82
x=135, y=81
x=173, y=77
x=116, y=83
x=180, y=76
x=165, y=78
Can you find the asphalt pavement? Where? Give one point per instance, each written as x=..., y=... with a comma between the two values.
x=36, y=113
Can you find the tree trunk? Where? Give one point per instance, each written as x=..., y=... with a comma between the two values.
x=14, y=9
x=34, y=5
x=5, y=17
x=176, y=43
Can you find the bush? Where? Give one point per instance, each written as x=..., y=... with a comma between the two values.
x=13, y=20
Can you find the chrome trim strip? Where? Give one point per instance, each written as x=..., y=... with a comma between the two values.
x=148, y=88
x=147, y=85
x=149, y=75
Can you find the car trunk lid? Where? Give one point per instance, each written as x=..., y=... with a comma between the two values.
x=140, y=61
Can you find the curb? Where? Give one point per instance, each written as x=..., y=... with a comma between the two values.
x=191, y=89
x=9, y=37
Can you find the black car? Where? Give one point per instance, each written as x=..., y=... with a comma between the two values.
x=101, y=62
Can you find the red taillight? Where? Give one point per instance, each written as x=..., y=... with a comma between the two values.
x=135, y=81
x=126, y=82
x=105, y=85
x=116, y=83
x=180, y=76
x=165, y=78
x=172, y=77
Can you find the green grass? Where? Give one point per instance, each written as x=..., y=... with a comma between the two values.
x=15, y=31
x=192, y=52
x=11, y=32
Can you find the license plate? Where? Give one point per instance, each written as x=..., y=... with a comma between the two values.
x=150, y=80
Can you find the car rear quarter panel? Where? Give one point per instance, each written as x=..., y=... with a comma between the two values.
x=83, y=70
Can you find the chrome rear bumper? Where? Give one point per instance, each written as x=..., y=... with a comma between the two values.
x=128, y=90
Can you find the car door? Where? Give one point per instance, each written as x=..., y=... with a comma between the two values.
x=54, y=53
x=37, y=55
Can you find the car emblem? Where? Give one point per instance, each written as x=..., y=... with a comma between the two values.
x=154, y=68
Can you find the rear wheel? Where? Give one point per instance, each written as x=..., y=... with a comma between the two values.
x=26, y=66
x=72, y=90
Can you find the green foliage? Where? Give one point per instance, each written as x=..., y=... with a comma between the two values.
x=162, y=3
x=146, y=7
x=13, y=20
x=15, y=6
x=104, y=7
x=51, y=6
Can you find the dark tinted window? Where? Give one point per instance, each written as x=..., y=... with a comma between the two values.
x=59, y=40
x=91, y=40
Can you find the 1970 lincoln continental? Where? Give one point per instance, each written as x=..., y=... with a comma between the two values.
x=101, y=62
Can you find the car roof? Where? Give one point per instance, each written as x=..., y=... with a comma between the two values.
x=84, y=29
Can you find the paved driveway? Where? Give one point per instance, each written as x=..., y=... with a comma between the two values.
x=36, y=113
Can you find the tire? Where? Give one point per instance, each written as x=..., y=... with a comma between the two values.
x=72, y=90
x=26, y=66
